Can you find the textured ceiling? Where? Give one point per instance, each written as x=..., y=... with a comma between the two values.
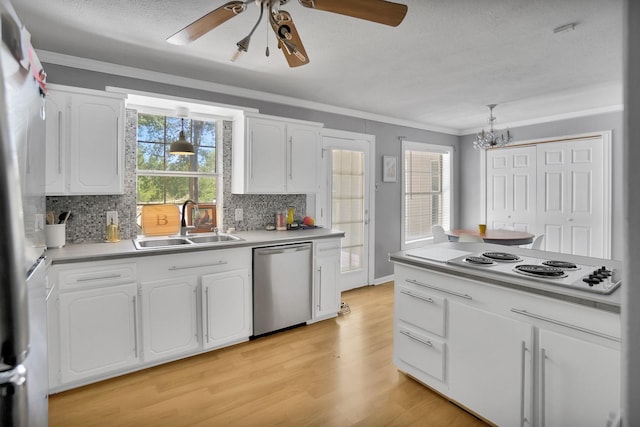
x=439, y=68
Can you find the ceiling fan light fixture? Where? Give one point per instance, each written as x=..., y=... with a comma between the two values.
x=293, y=50
x=181, y=146
x=243, y=46
x=491, y=138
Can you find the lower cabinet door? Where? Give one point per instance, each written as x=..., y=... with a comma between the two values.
x=327, y=295
x=169, y=317
x=490, y=364
x=98, y=329
x=579, y=381
x=226, y=308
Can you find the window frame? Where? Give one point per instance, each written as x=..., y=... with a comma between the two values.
x=447, y=187
x=188, y=174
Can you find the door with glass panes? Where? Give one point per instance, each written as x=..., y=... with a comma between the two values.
x=347, y=205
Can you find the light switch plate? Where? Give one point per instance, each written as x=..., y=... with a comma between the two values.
x=239, y=214
x=112, y=215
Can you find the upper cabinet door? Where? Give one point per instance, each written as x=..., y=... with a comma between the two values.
x=303, y=157
x=96, y=145
x=266, y=160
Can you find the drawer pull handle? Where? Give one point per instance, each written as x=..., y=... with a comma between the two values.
x=566, y=325
x=408, y=334
x=108, y=276
x=418, y=296
x=335, y=248
x=186, y=267
x=446, y=291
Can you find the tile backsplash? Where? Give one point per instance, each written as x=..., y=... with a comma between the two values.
x=88, y=223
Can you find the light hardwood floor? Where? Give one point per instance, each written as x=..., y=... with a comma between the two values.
x=333, y=373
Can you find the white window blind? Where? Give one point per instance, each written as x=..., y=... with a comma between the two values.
x=426, y=191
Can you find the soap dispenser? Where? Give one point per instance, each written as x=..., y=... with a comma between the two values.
x=113, y=234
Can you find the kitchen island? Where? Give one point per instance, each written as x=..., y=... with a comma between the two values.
x=510, y=348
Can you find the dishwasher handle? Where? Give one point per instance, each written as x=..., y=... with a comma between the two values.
x=283, y=249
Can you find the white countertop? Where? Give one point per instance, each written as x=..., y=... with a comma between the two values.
x=450, y=250
x=126, y=249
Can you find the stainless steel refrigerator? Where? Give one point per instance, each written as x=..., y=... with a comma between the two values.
x=23, y=328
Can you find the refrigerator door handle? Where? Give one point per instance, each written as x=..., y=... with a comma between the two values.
x=16, y=376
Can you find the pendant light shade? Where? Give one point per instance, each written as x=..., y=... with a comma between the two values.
x=181, y=146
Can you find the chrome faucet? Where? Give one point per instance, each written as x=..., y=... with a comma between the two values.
x=183, y=224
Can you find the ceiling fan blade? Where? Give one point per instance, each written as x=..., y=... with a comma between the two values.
x=288, y=39
x=380, y=11
x=207, y=23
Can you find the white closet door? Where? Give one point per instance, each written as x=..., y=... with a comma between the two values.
x=572, y=201
x=511, y=188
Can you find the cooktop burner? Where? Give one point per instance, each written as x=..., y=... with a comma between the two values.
x=501, y=256
x=540, y=271
x=479, y=260
x=565, y=265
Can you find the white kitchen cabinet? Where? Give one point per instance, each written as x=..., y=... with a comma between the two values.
x=170, y=323
x=98, y=329
x=572, y=392
x=326, y=290
x=84, y=142
x=275, y=156
x=226, y=308
x=491, y=355
x=512, y=357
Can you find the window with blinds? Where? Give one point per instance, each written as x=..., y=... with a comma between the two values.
x=426, y=191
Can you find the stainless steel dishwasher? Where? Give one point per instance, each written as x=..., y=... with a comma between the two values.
x=281, y=287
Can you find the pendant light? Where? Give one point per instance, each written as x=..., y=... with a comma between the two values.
x=181, y=146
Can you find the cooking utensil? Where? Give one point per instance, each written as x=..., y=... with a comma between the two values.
x=64, y=217
x=50, y=218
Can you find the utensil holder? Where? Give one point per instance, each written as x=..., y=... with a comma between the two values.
x=55, y=235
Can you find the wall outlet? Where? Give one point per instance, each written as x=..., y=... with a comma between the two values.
x=112, y=215
x=239, y=214
x=39, y=222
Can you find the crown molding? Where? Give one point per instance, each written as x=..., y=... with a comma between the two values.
x=139, y=73
x=547, y=119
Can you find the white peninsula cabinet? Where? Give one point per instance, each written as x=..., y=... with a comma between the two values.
x=84, y=142
x=513, y=358
x=273, y=155
x=93, y=320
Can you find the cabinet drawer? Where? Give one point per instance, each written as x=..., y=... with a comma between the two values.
x=421, y=309
x=327, y=248
x=421, y=352
x=201, y=262
x=94, y=274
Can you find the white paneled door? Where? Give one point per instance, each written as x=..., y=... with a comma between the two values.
x=560, y=189
x=571, y=201
x=511, y=188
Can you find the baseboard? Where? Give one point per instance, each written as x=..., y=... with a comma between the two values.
x=381, y=280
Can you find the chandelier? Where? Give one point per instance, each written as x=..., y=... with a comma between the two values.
x=490, y=138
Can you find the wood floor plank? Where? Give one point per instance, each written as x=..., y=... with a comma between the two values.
x=333, y=373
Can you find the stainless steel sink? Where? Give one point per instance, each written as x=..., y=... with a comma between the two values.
x=205, y=239
x=213, y=238
x=160, y=243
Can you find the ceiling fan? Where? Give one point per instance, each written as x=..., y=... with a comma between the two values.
x=379, y=11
